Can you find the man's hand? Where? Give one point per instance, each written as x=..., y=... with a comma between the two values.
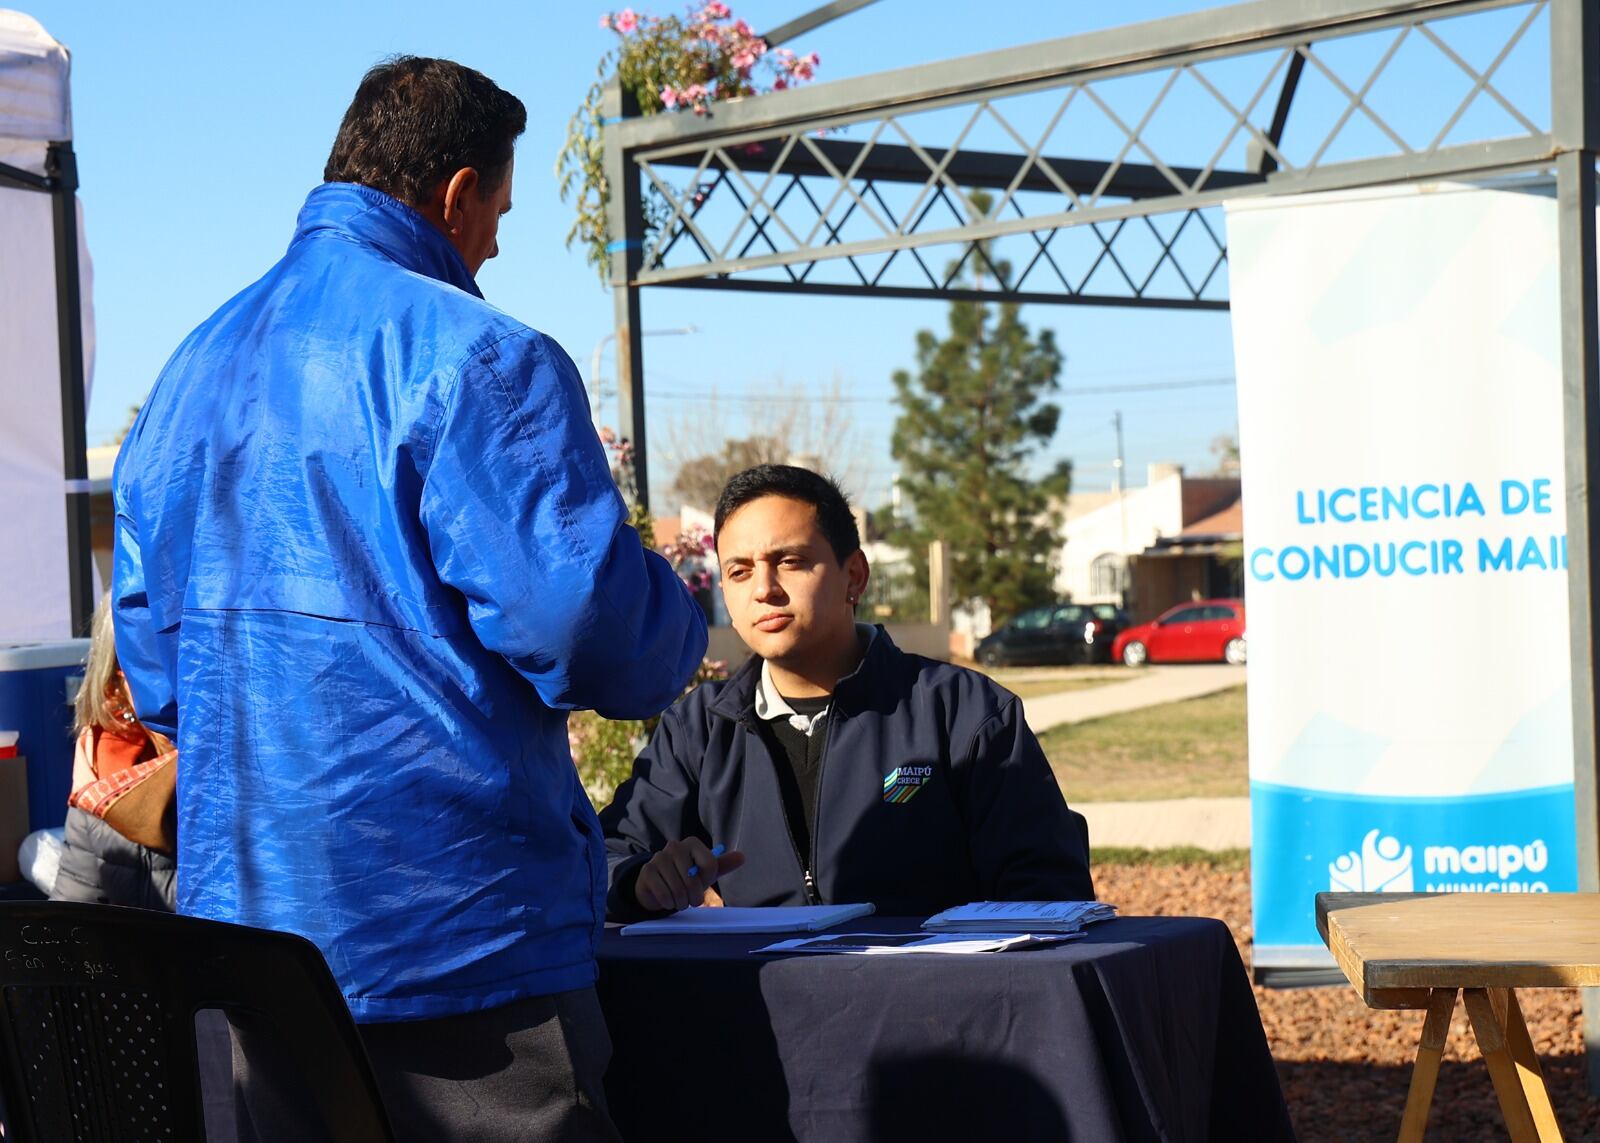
x=664, y=883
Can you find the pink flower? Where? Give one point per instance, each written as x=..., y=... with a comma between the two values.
x=715, y=11
x=605, y=21
x=780, y=84
x=669, y=98
x=627, y=21
x=695, y=93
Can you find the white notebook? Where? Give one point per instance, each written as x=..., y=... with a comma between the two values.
x=774, y=919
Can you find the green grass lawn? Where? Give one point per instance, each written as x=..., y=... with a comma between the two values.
x=1232, y=860
x=1191, y=749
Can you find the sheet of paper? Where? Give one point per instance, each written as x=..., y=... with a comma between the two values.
x=890, y=944
x=775, y=919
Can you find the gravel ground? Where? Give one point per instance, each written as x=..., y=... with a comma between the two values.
x=1344, y=1067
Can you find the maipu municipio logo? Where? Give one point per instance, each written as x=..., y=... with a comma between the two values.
x=902, y=783
x=1384, y=865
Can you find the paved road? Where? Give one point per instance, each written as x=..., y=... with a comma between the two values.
x=1208, y=823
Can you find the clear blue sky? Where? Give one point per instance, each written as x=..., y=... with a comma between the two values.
x=201, y=126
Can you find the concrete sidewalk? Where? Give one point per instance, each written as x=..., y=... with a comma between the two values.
x=1207, y=823
x=1145, y=686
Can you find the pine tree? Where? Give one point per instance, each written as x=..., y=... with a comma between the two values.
x=971, y=420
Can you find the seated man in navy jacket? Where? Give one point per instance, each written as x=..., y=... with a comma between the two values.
x=833, y=767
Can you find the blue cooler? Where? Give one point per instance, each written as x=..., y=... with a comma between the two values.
x=38, y=682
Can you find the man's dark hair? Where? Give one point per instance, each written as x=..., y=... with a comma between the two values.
x=415, y=122
x=833, y=510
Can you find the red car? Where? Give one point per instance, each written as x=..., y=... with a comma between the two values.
x=1205, y=631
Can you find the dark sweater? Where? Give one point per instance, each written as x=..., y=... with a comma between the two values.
x=799, y=759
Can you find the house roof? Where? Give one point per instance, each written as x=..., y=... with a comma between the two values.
x=1228, y=524
x=1210, y=536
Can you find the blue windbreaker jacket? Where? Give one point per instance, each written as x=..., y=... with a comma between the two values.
x=368, y=555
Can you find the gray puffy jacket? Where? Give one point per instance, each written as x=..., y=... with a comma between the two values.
x=99, y=865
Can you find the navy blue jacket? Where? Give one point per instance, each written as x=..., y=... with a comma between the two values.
x=368, y=556
x=932, y=792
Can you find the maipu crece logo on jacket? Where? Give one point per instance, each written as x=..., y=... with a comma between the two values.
x=902, y=783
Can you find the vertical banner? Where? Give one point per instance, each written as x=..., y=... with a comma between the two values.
x=1400, y=425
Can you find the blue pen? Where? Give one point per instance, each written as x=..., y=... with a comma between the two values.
x=716, y=851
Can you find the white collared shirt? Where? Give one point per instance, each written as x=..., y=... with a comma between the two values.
x=770, y=705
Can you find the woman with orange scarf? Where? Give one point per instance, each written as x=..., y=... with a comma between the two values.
x=121, y=841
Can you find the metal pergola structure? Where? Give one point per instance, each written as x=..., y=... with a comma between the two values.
x=851, y=188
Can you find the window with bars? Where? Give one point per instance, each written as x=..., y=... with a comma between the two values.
x=1107, y=574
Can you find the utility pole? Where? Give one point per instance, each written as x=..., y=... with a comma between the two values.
x=1122, y=506
x=599, y=348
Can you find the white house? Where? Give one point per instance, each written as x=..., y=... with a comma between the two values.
x=1102, y=532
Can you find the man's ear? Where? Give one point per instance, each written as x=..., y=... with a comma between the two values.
x=857, y=573
x=457, y=194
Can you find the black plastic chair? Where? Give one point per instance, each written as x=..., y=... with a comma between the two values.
x=97, y=1034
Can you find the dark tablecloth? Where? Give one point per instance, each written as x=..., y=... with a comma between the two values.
x=1145, y=1030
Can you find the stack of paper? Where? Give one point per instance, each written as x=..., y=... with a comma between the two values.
x=773, y=919
x=1020, y=917
x=879, y=944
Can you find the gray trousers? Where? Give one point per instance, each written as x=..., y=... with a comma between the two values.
x=530, y=1071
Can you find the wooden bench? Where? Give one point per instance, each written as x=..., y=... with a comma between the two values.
x=1419, y=950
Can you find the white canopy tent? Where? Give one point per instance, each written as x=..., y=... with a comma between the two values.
x=46, y=340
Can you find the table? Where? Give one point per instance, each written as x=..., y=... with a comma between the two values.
x=1145, y=1030
x=1418, y=950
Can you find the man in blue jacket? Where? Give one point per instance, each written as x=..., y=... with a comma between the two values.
x=368, y=556
x=832, y=766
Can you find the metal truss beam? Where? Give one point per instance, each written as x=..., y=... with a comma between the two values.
x=953, y=294
x=1190, y=38
x=992, y=170
x=1473, y=161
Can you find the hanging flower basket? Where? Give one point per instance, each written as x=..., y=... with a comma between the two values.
x=666, y=64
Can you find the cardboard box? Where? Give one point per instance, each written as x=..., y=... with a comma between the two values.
x=13, y=814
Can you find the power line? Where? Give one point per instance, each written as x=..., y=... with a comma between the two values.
x=763, y=398
x=823, y=398
x=1150, y=387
